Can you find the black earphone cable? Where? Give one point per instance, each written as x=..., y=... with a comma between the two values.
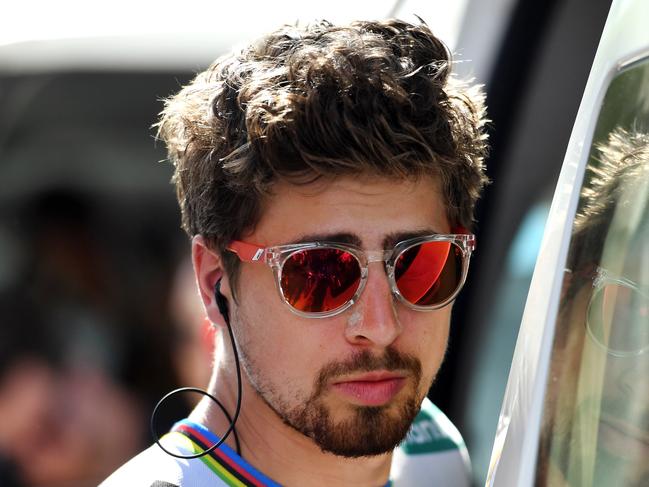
x=222, y=304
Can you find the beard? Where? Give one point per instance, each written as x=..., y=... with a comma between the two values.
x=367, y=430
x=616, y=459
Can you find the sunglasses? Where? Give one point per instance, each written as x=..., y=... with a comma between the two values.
x=617, y=318
x=323, y=279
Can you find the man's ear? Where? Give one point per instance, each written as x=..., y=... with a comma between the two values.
x=208, y=269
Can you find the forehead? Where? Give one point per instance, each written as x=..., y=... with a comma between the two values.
x=632, y=257
x=369, y=208
x=626, y=247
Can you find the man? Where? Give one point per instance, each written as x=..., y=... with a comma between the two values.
x=327, y=176
x=596, y=419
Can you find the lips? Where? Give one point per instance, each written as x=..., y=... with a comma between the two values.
x=371, y=389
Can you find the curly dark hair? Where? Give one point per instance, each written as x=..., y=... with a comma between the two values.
x=618, y=163
x=322, y=101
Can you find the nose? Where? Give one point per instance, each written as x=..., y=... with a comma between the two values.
x=373, y=320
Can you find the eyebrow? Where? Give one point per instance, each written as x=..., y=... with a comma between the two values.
x=338, y=237
x=389, y=240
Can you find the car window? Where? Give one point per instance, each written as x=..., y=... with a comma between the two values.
x=595, y=426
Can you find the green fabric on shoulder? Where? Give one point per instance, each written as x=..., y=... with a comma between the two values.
x=431, y=432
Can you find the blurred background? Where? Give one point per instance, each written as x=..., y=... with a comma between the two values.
x=98, y=314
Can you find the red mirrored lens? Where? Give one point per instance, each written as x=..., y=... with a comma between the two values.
x=429, y=273
x=320, y=280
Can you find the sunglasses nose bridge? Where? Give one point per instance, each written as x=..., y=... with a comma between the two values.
x=381, y=257
x=377, y=255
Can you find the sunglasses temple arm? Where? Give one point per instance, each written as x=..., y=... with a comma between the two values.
x=247, y=252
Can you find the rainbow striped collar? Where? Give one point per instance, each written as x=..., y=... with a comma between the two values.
x=224, y=461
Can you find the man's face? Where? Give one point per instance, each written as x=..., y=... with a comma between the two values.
x=352, y=382
x=623, y=308
x=599, y=377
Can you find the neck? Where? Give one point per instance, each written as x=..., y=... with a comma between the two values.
x=279, y=451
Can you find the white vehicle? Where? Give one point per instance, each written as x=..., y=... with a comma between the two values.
x=576, y=410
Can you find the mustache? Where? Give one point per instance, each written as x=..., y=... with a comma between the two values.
x=365, y=361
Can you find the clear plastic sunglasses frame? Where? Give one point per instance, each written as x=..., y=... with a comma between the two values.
x=276, y=257
x=604, y=277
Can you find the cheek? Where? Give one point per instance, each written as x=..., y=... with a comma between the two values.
x=282, y=348
x=427, y=334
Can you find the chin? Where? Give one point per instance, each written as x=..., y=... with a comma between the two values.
x=364, y=432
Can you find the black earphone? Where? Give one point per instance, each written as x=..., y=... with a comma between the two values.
x=222, y=305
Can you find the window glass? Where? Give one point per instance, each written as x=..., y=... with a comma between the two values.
x=596, y=414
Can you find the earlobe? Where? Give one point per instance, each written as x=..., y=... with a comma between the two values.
x=208, y=269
